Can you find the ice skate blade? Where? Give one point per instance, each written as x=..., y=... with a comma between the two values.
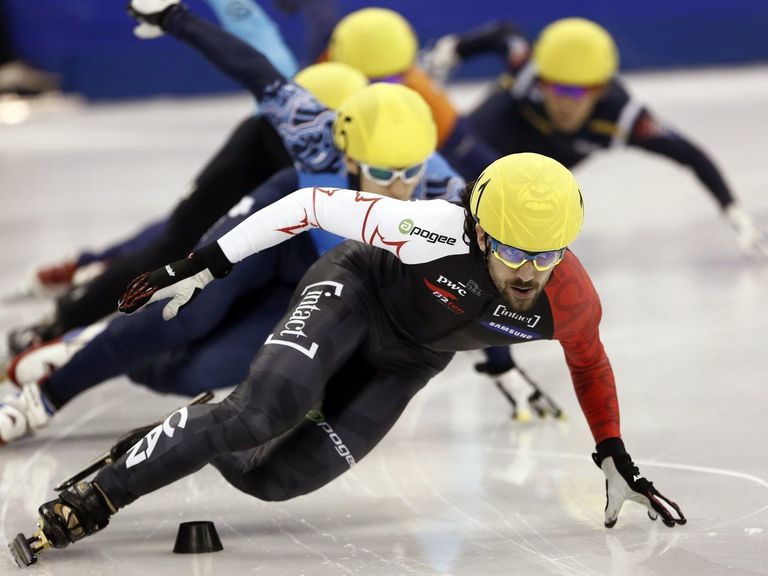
x=94, y=466
x=25, y=550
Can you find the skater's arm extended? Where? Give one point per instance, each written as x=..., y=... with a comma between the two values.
x=652, y=135
x=415, y=232
x=292, y=111
x=498, y=37
x=231, y=55
x=577, y=312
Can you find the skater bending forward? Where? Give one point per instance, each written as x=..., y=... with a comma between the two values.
x=369, y=325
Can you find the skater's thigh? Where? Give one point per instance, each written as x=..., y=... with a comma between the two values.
x=362, y=402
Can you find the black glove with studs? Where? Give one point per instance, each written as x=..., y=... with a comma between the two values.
x=623, y=481
x=180, y=281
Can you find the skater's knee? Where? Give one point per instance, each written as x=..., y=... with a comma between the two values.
x=271, y=492
x=272, y=487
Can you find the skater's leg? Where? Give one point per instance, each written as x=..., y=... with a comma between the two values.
x=361, y=405
x=128, y=341
x=326, y=322
x=252, y=154
x=248, y=21
x=498, y=359
x=523, y=394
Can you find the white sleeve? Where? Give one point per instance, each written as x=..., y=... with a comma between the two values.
x=415, y=232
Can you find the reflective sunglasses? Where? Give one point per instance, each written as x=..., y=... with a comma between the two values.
x=392, y=79
x=569, y=90
x=385, y=176
x=515, y=258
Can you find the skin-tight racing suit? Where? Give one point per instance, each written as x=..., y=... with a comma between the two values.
x=369, y=325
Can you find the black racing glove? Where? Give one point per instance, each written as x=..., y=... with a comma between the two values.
x=180, y=281
x=623, y=481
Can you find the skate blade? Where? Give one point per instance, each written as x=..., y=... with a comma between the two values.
x=94, y=466
x=522, y=416
x=108, y=457
x=25, y=550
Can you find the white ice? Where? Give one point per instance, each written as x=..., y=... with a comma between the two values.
x=457, y=488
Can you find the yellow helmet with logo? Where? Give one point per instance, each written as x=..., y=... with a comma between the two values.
x=376, y=41
x=331, y=82
x=528, y=201
x=576, y=51
x=387, y=125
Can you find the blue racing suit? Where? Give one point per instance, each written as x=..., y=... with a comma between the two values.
x=212, y=343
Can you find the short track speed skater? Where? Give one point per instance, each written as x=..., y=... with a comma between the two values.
x=81, y=508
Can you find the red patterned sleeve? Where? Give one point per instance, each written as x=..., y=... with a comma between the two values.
x=576, y=313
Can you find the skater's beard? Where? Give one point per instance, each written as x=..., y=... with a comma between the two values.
x=506, y=282
x=514, y=303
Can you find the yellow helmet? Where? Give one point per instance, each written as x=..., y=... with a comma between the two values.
x=376, y=41
x=528, y=201
x=576, y=51
x=387, y=125
x=331, y=82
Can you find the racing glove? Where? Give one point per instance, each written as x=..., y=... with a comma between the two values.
x=623, y=482
x=439, y=59
x=752, y=240
x=150, y=14
x=180, y=281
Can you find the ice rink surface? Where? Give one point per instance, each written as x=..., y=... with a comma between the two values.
x=457, y=488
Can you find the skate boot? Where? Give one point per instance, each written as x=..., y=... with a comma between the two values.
x=50, y=281
x=19, y=339
x=38, y=362
x=77, y=512
x=542, y=403
x=56, y=279
x=525, y=396
x=22, y=412
x=517, y=389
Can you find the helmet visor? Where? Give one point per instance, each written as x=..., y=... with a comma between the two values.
x=385, y=176
x=515, y=257
x=391, y=79
x=570, y=90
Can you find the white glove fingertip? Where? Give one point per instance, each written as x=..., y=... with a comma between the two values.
x=183, y=296
x=147, y=31
x=171, y=309
x=612, y=509
x=652, y=513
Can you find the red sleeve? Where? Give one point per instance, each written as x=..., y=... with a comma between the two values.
x=576, y=314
